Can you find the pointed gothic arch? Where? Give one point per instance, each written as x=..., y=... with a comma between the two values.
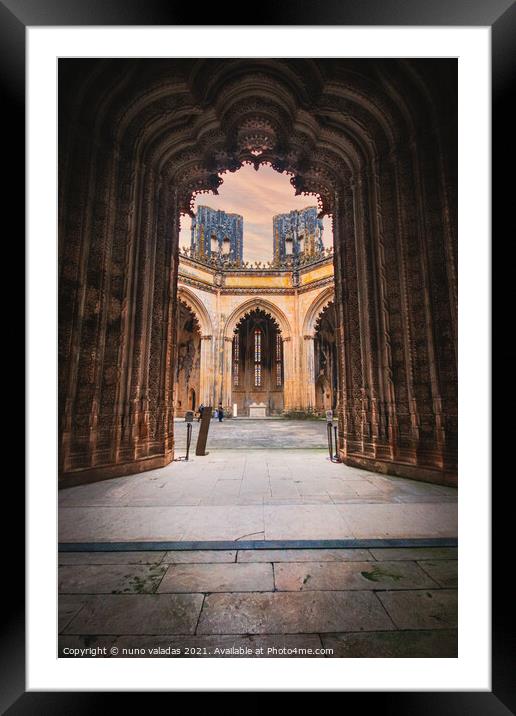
x=197, y=308
x=253, y=304
x=325, y=297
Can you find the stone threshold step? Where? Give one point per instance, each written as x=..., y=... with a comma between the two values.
x=256, y=544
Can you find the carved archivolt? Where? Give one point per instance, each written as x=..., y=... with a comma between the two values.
x=200, y=120
x=323, y=300
x=199, y=311
x=272, y=311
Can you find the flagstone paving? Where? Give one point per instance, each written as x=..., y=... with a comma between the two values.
x=381, y=602
x=258, y=603
x=246, y=433
x=256, y=494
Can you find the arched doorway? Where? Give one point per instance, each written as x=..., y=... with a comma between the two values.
x=325, y=355
x=257, y=376
x=188, y=360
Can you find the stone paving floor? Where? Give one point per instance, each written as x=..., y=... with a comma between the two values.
x=259, y=603
x=247, y=433
x=256, y=494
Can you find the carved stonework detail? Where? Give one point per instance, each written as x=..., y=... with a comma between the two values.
x=372, y=143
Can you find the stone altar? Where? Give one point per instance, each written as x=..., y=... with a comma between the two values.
x=257, y=410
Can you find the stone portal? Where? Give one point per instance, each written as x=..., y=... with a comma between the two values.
x=325, y=353
x=257, y=366
x=187, y=369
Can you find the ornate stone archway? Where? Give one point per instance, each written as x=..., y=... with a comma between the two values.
x=374, y=140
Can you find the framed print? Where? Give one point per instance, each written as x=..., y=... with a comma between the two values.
x=265, y=433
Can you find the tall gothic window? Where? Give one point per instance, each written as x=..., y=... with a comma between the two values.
x=278, y=360
x=236, y=359
x=257, y=358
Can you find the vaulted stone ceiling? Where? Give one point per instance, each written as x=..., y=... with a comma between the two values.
x=320, y=120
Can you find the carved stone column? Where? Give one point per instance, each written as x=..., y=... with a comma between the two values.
x=309, y=364
x=207, y=372
x=290, y=379
x=226, y=374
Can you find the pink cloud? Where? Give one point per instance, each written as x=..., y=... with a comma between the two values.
x=257, y=196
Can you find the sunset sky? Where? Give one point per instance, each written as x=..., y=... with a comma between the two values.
x=257, y=196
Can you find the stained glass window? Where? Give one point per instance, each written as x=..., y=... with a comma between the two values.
x=278, y=360
x=257, y=357
x=236, y=358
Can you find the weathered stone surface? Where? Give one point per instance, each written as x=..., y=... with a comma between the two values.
x=444, y=572
x=207, y=556
x=309, y=612
x=149, y=506
x=123, y=524
x=225, y=523
x=421, y=609
x=414, y=553
x=68, y=607
x=152, y=557
x=110, y=579
x=400, y=520
x=222, y=646
x=217, y=578
x=305, y=522
x=442, y=643
x=137, y=614
x=303, y=555
x=350, y=575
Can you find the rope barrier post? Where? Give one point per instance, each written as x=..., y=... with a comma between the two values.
x=329, y=431
x=189, y=416
x=188, y=439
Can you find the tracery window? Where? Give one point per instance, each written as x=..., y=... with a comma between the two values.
x=257, y=357
x=278, y=360
x=236, y=359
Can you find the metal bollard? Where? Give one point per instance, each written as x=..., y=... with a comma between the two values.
x=330, y=439
x=188, y=439
x=330, y=427
x=336, y=444
x=189, y=416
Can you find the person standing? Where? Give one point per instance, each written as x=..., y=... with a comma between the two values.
x=201, y=408
x=220, y=411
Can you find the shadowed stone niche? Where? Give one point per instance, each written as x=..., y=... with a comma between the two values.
x=326, y=364
x=188, y=362
x=373, y=140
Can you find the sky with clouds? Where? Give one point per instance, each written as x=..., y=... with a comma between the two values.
x=257, y=196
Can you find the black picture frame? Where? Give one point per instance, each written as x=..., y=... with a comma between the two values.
x=500, y=15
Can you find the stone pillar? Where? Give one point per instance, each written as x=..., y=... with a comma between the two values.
x=289, y=392
x=309, y=371
x=207, y=372
x=226, y=384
